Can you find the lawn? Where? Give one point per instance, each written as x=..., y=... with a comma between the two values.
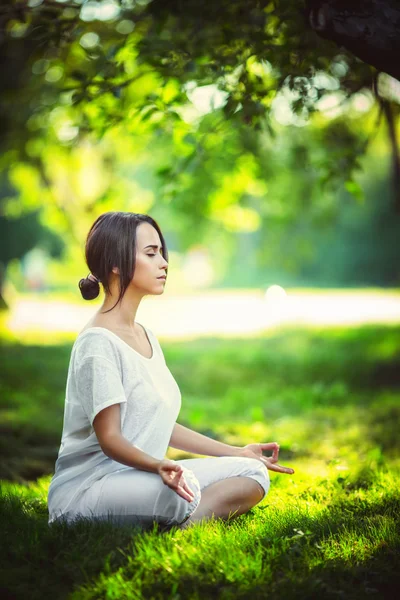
x=329, y=397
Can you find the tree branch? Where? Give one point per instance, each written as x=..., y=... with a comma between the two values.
x=369, y=29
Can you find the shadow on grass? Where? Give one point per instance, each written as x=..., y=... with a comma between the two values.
x=375, y=577
x=41, y=561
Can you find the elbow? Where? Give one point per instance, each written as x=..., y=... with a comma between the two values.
x=105, y=450
x=108, y=445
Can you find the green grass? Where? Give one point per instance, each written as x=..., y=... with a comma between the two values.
x=329, y=397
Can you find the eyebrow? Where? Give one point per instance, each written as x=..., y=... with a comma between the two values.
x=151, y=246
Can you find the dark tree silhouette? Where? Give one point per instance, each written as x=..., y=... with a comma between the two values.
x=370, y=29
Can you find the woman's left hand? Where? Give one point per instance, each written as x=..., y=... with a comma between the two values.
x=271, y=462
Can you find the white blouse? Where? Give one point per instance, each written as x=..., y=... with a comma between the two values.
x=105, y=370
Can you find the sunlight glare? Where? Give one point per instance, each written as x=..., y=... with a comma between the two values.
x=276, y=302
x=205, y=98
x=275, y=295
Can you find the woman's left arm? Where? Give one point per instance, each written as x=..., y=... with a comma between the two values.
x=186, y=439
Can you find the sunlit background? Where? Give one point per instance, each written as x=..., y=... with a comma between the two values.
x=257, y=261
x=221, y=312
x=249, y=270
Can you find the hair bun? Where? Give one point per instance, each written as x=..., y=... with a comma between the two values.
x=89, y=288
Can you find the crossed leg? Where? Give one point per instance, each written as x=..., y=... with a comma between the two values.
x=226, y=500
x=230, y=486
x=223, y=487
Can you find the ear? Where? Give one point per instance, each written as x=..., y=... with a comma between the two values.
x=115, y=270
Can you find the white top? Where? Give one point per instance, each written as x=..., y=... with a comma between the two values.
x=105, y=370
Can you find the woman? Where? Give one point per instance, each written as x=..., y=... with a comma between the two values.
x=122, y=403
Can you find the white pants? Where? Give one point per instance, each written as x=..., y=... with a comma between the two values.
x=140, y=497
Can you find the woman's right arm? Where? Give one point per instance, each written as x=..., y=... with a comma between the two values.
x=107, y=426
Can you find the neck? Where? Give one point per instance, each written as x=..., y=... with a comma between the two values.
x=123, y=315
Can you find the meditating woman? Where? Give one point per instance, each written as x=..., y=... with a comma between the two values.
x=122, y=403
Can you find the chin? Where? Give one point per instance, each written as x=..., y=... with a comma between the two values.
x=158, y=292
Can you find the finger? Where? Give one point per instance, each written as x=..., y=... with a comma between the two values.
x=186, y=487
x=182, y=483
x=188, y=490
x=269, y=445
x=274, y=446
x=279, y=468
x=175, y=470
x=275, y=454
x=174, y=476
x=185, y=494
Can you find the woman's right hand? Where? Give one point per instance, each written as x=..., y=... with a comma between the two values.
x=172, y=475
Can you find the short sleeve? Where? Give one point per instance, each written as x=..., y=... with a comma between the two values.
x=99, y=385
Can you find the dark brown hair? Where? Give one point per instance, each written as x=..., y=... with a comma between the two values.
x=111, y=242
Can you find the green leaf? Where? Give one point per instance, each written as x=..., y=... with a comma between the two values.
x=355, y=190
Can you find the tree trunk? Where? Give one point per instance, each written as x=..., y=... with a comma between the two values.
x=369, y=29
x=3, y=303
x=390, y=120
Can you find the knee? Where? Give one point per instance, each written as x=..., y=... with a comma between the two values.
x=258, y=471
x=172, y=507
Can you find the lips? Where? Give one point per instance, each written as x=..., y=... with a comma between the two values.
x=162, y=277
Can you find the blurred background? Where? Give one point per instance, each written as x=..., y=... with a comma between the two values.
x=267, y=151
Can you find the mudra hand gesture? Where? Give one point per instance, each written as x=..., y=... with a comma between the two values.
x=271, y=462
x=172, y=475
